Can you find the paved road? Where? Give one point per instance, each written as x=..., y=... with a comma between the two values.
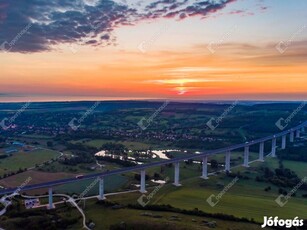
x=69, y=199
x=149, y=165
x=73, y=201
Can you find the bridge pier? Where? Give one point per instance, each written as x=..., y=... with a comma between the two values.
x=273, y=147
x=101, y=189
x=227, y=161
x=246, y=156
x=205, y=168
x=284, y=142
x=143, y=182
x=292, y=136
x=176, y=176
x=298, y=133
x=261, y=152
x=50, y=199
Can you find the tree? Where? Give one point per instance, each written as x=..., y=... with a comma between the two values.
x=49, y=144
x=214, y=164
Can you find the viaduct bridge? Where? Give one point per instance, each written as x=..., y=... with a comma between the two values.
x=294, y=132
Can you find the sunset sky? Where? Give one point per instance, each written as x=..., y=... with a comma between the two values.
x=175, y=49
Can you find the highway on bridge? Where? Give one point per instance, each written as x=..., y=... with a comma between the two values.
x=149, y=165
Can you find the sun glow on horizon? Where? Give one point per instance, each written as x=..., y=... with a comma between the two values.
x=177, y=62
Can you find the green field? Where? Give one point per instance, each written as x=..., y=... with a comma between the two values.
x=111, y=183
x=104, y=217
x=246, y=198
x=131, y=145
x=242, y=200
x=33, y=136
x=26, y=160
x=58, y=167
x=300, y=168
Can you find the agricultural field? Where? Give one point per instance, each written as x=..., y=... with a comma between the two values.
x=246, y=195
x=106, y=216
x=58, y=167
x=33, y=177
x=112, y=184
x=300, y=168
x=249, y=200
x=26, y=160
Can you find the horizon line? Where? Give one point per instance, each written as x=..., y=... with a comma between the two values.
x=157, y=100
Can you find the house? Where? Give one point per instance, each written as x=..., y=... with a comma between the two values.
x=18, y=143
x=30, y=203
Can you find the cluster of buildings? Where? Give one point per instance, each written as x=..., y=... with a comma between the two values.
x=16, y=146
x=156, y=135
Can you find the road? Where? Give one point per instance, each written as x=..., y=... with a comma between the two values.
x=100, y=165
x=68, y=199
x=73, y=202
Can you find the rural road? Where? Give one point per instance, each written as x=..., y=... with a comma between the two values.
x=69, y=199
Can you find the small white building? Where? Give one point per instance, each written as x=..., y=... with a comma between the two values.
x=31, y=203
